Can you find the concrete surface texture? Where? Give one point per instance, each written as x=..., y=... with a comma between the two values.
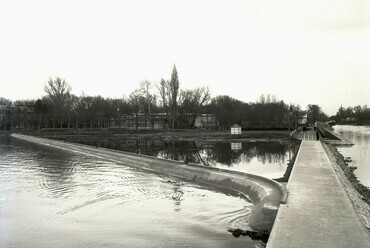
x=311, y=135
x=318, y=212
x=265, y=194
x=308, y=135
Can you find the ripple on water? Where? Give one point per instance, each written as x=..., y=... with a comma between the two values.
x=95, y=203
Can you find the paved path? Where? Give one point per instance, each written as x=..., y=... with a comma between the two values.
x=318, y=212
x=308, y=135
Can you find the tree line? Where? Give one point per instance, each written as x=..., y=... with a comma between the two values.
x=355, y=115
x=59, y=108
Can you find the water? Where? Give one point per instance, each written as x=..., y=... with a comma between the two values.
x=267, y=159
x=55, y=198
x=360, y=152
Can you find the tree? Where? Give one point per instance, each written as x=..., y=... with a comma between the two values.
x=42, y=110
x=192, y=102
x=5, y=116
x=83, y=108
x=58, y=91
x=173, y=91
x=314, y=112
x=162, y=89
x=145, y=90
x=137, y=101
x=228, y=110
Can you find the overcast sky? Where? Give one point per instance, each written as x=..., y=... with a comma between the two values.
x=304, y=52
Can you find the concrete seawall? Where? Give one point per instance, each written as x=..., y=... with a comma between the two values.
x=332, y=137
x=265, y=194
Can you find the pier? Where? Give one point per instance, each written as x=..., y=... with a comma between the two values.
x=317, y=212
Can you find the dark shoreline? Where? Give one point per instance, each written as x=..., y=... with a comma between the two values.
x=289, y=169
x=177, y=134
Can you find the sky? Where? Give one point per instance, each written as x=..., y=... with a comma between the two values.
x=303, y=52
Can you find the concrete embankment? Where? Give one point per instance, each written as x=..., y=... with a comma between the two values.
x=332, y=137
x=264, y=193
x=317, y=212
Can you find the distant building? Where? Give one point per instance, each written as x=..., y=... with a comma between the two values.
x=236, y=129
x=205, y=121
x=162, y=121
x=24, y=114
x=350, y=119
x=140, y=121
x=302, y=121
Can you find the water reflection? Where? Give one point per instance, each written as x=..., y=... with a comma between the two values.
x=236, y=146
x=267, y=159
x=51, y=197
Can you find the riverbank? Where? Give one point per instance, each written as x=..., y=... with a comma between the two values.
x=167, y=135
x=358, y=193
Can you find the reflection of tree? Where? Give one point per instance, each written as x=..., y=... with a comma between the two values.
x=273, y=152
x=188, y=152
x=185, y=151
x=222, y=153
x=177, y=195
x=57, y=167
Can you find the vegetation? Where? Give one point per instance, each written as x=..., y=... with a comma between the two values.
x=355, y=115
x=314, y=113
x=59, y=108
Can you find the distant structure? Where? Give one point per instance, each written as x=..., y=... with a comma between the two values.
x=236, y=129
x=205, y=121
x=162, y=121
x=302, y=121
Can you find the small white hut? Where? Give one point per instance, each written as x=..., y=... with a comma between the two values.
x=236, y=129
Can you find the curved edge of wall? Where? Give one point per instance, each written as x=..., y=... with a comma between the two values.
x=265, y=194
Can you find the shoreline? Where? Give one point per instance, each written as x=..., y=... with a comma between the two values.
x=168, y=135
x=358, y=193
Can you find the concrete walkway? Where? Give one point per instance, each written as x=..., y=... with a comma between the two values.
x=318, y=212
x=308, y=135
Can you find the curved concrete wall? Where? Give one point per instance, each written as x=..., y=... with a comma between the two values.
x=264, y=193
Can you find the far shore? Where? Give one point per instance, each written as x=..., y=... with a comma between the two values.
x=169, y=135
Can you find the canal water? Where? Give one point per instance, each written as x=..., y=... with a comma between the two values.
x=267, y=159
x=359, y=153
x=54, y=198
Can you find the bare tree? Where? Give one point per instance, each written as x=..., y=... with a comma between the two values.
x=58, y=91
x=173, y=91
x=145, y=90
x=162, y=90
x=136, y=100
